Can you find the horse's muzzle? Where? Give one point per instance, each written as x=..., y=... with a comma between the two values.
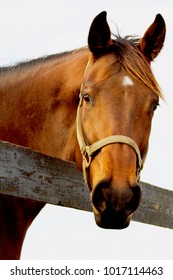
x=113, y=207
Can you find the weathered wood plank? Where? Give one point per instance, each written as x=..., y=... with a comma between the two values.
x=29, y=174
x=156, y=207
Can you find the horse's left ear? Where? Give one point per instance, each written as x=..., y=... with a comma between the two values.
x=153, y=39
x=99, y=37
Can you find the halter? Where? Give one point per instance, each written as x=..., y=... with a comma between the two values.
x=88, y=152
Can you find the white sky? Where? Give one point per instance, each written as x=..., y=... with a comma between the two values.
x=30, y=29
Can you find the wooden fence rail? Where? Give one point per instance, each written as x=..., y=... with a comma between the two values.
x=29, y=174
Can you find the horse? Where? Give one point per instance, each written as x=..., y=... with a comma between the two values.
x=93, y=106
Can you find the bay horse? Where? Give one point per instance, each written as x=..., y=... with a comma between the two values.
x=109, y=92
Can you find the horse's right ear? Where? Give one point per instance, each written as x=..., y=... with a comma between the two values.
x=99, y=37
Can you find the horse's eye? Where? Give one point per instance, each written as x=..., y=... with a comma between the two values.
x=155, y=106
x=87, y=98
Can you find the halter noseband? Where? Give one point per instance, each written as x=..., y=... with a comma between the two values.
x=89, y=151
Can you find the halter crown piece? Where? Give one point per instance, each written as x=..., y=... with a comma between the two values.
x=89, y=151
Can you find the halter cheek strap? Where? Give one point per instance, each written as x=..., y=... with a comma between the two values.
x=89, y=151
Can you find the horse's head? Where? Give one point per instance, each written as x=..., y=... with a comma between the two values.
x=118, y=97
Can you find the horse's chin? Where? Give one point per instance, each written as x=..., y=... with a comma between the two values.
x=106, y=221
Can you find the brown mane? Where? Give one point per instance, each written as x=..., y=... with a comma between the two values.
x=134, y=62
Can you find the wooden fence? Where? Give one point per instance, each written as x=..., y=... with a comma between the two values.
x=29, y=174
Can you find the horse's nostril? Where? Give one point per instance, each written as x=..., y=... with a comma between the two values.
x=134, y=202
x=98, y=196
x=136, y=190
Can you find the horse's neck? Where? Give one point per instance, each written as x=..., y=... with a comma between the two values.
x=38, y=110
x=58, y=135
x=41, y=109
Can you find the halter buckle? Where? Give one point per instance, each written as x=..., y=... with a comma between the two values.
x=86, y=153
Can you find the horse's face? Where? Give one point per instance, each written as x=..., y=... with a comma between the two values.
x=124, y=109
x=115, y=102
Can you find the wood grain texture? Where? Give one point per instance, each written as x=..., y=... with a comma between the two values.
x=30, y=174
